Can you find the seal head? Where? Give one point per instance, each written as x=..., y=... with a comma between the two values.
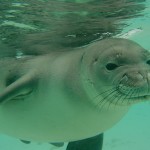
x=118, y=72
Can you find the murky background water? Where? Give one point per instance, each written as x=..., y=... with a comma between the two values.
x=39, y=26
x=35, y=27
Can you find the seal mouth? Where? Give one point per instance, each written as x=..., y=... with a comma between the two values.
x=133, y=95
x=134, y=86
x=144, y=97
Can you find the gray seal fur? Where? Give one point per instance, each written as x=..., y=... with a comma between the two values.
x=69, y=96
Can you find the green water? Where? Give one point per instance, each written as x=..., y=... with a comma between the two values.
x=35, y=27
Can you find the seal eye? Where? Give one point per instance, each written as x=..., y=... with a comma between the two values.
x=148, y=62
x=111, y=66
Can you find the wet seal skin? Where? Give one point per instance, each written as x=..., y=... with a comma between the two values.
x=73, y=96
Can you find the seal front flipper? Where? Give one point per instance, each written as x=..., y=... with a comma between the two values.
x=93, y=143
x=18, y=88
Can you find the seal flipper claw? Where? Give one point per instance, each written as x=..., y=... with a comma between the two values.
x=19, y=88
x=58, y=144
x=93, y=143
x=26, y=142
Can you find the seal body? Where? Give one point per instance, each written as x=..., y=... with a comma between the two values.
x=68, y=96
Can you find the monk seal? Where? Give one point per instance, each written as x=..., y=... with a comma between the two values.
x=73, y=95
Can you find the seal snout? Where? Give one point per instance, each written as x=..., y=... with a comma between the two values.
x=135, y=84
x=135, y=79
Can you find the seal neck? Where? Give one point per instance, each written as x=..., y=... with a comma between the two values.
x=86, y=82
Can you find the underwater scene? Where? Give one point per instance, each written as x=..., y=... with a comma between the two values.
x=74, y=74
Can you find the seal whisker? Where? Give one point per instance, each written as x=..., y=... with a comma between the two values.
x=138, y=93
x=129, y=94
x=115, y=95
x=126, y=96
x=113, y=99
x=134, y=91
x=109, y=95
x=118, y=96
x=108, y=90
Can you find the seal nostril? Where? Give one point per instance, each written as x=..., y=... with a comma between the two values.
x=139, y=76
x=124, y=79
